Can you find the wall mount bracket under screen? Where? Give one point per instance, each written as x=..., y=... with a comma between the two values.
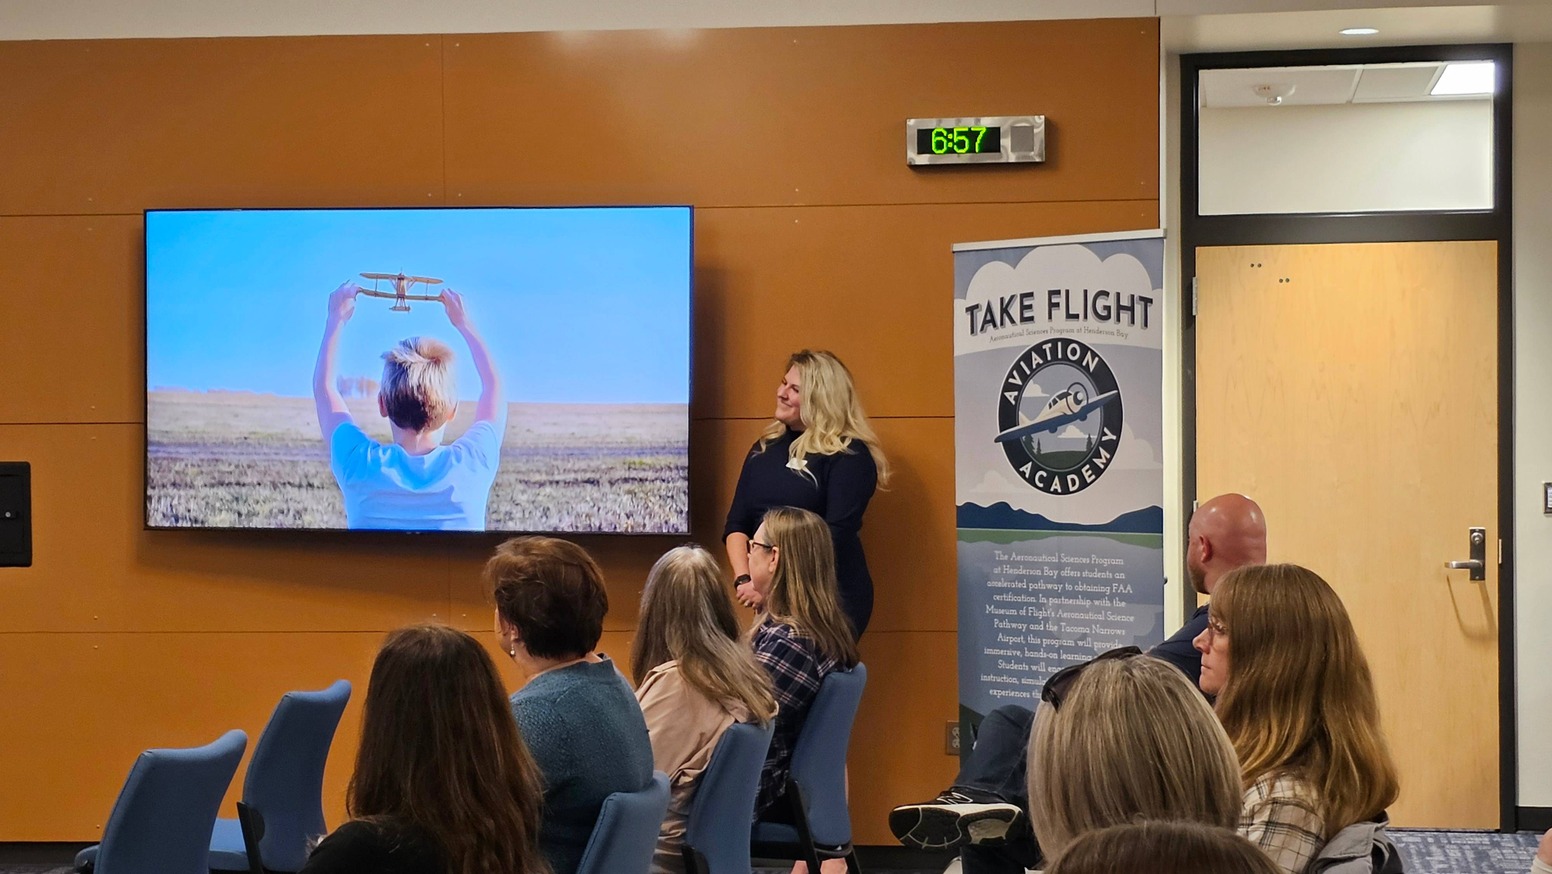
x=993, y=139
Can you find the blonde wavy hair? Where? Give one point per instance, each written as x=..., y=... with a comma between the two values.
x=1299, y=700
x=1132, y=739
x=418, y=392
x=832, y=414
x=687, y=615
x=803, y=591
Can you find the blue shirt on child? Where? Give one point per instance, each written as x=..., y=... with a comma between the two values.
x=386, y=487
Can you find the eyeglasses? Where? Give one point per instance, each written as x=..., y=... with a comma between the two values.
x=753, y=543
x=1216, y=628
x=1055, y=689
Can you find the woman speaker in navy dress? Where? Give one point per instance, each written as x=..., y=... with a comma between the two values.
x=820, y=455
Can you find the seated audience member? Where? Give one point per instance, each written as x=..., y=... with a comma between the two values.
x=984, y=812
x=695, y=677
x=1162, y=847
x=576, y=712
x=801, y=634
x=1121, y=738
x=443, y=783
x=1296, y=698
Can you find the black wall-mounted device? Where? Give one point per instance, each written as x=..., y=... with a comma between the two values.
x=15, y=514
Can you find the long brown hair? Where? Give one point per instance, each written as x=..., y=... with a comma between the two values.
x=831, y=412
x=1133, y=739
x=687, y=615
x=1299, y=699
x=440, y=751
x=803, y=592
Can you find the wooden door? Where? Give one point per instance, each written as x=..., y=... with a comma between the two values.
x=1352, y=390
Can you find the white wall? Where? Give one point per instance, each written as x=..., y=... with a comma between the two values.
x=1347, y=158
x=1533, y=417
x=1179, y=597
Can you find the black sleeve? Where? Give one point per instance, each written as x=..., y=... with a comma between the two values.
x=741, y=516
x=1180, y=650
x=849, y=486
x=353, y=847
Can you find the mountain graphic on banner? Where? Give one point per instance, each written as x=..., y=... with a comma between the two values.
x=1002, y=516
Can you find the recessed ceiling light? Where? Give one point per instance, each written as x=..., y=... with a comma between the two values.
x=1470, y=77
x=1359, y=31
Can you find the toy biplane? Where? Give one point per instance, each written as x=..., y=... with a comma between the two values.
x=401, y=289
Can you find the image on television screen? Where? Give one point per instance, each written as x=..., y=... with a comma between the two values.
x=508, y=370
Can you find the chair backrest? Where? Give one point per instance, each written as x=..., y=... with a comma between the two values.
x=251, y=823
x=819, y=756
x=723, y=806
x=627, y=830
x=162, y=819
x=285, y=777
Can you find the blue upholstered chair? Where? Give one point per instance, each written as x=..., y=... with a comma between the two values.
x=161, y=822
x=627, y=830
x=716, y=837
x=284, y=784
x=816, y=785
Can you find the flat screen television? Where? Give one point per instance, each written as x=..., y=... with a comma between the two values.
x=511, y=370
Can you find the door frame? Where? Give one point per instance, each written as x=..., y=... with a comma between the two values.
x=1494, y=224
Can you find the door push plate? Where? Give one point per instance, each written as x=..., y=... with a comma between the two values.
x=1477, y=562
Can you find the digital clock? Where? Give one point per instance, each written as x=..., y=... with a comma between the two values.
x=975, y=139
x=1003, y=139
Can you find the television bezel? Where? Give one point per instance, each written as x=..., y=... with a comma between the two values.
x=273, y=531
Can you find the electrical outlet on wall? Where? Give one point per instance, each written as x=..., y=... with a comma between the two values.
x=951, y=738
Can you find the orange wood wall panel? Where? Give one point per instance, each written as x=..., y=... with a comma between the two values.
x=795, y=115
x=96, y=569
x=810, y=232
x=73, y=283
x=866, y=282
x=93, y=702
x=118, y=126
x=896, y=751
x=623, y=560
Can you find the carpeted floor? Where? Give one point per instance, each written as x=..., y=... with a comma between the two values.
x=1425, y=852
x=1459, y=852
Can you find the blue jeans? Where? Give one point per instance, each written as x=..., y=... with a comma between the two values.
x=997, y=770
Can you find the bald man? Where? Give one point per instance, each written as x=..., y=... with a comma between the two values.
x=985, y=813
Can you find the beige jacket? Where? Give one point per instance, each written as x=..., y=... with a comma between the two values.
x=684, y=726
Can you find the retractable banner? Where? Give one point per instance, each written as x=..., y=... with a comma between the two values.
x=1058, y=432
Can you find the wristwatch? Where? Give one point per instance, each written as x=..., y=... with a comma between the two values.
x=741, y=579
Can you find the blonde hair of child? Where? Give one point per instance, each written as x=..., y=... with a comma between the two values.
x=417, y=392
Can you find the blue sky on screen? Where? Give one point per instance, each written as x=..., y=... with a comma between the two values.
x=581, y=305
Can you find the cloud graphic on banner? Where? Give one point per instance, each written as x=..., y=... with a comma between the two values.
x=1136, y=453
x=996, y=485
x=1008, y=305
x=1073, y=432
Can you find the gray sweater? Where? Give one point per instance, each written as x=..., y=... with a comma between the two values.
x=586, y=732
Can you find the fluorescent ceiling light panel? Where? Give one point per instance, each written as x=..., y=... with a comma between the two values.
x=1359, y=31
x=1471, y=77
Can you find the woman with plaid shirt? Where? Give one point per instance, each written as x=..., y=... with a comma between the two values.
x=800, y=635
x=1297, y=700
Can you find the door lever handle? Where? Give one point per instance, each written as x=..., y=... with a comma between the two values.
x=1477, y=563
